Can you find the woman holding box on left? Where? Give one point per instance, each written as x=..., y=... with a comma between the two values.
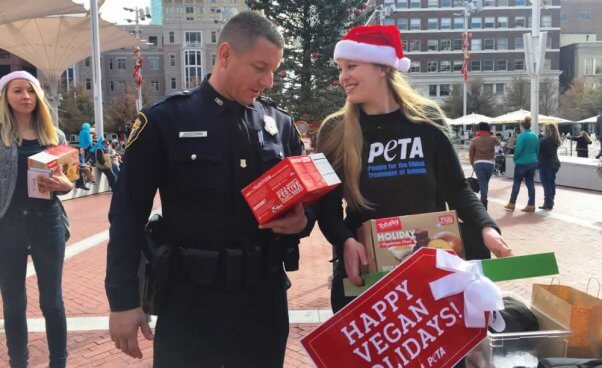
x=30, y=225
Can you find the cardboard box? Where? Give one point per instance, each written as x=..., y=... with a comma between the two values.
x=390, y=240
x=61, y=155
x=33, y=190
x=295, y=179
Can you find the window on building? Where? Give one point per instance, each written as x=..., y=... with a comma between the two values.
x=172, y=60
x=445, y=45
x=444, y=90
x=433, y=23
x=445, y=66
x=489, y=22
x=499, y=89
x=110, y=64
x=88, y=84
x=433, y=3
x=153, y=62
x=402, y=3
x=501, y=65
x=415, y=66
x=415, y=45
x=502, y=2
x=199, y=10
x=476, y=44
x=192, y=67
x=213, y=36
x=547, y=64
x=121, y=85
x=432, y=66
x=192, y=39
x=415, y=23
x=458, y=23
x=564, y=17
x=502, y=43
x=487, y=65
x=489, y=44
x=121, y=63
x=404, y=45
x=489, y=3
x=475, y=65
x=457, y=45
x=415, y=4
x=529, y=22
x=520, y=21
x=446, y=3
x=87, y=62
x=520, y=2
x=502, y=22
x=549, y=42
x=432, y=45
x=111, y=86
x=488, y=88
x=458, y=3
x=519, y=64
x=586, y=15
x=519, y=43
x=402, y=23
x=476, y=22
x=213, y=58
x=153, y=40
x=546, y=21
x=155, y=85
x=446, y=23
x=189, y=9
x=172, y=37
x=457, y=67
x=389, y=21
x=432, y=90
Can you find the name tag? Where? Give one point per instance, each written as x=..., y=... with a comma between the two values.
x=199, y=134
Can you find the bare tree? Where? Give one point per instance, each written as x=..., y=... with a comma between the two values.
x=518, y=96
x=75, y=109
x=453, y=106
x=548, y=97
x=573, y=101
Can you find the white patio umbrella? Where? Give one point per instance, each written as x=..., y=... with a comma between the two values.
x=12, y=11
x=517, y=116
x=593, y=119
x=471, y=119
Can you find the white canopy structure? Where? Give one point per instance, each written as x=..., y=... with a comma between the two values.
x=12, y=11
x=515, y=117
x=470, y=119
x=593, y=119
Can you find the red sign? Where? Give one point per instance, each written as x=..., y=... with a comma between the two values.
x=397, y=324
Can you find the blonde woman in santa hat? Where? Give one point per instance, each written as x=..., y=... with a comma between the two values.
x=29, y=226
x=391, y=152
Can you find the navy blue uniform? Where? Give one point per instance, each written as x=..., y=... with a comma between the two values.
x=199, y=150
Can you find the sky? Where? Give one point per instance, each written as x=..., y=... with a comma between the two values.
x=112, y=10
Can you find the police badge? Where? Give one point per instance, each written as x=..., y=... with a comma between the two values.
x=270, y=125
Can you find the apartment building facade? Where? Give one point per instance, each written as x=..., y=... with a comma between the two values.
x=431, y=32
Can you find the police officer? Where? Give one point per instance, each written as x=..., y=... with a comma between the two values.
x=225, y=304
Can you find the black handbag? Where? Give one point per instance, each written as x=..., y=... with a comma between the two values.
x=474, y=183
x=569, y=363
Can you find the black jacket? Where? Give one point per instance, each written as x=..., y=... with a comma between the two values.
x=199, y=150
x=548, y=153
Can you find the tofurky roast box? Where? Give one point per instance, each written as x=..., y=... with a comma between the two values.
x=294, y=179
x=390, y=240
x=53, y=157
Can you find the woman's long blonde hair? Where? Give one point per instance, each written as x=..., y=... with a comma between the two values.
x=551, y=131
x=343, y=144
x=41, y=120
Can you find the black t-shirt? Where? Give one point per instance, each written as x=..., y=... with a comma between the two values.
x=407, y=168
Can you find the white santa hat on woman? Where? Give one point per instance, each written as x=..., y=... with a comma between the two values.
x=20, y=74
x=373, y=44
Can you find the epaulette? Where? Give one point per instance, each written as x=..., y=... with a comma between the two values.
x=177, y=94
x=268, y=101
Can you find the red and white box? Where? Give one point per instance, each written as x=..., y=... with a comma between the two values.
x=294, y=179
x=53, y=157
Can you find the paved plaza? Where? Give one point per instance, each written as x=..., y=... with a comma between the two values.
x=572, y=230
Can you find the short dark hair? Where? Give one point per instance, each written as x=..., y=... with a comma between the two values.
x=243, y=29
x=526, y=123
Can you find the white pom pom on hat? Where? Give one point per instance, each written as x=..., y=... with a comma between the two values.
x=20, y=74
x=373, y=44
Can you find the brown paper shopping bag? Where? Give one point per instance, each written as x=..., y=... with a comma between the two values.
x=575, y=310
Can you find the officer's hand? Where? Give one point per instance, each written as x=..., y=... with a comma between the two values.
x=123, y=327
x=292, y=222
x=495, y=243
x=354, y=256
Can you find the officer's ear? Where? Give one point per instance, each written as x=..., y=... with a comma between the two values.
x=224, y=54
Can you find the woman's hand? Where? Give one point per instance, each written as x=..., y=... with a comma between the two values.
x=58, y=182
x=495, y=243
x=354, y=256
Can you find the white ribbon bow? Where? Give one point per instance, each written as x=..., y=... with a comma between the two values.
x=480, y=294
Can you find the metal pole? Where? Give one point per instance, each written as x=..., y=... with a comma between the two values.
x=464, y=101
x=137, y=30
x=535, y=34
x=97, y=79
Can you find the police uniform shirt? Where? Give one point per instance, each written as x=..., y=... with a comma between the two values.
x=199, y=149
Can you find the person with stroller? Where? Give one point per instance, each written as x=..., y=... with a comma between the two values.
x=482, y=157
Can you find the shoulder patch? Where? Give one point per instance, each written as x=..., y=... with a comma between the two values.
x=137, y=128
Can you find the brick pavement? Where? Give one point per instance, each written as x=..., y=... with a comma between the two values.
x=578, y=250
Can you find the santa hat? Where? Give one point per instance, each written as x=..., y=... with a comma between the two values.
x=21, y=74
x=373, y=44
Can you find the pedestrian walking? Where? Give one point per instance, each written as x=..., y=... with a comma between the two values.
x=583, y=141
x=481, y=154
x=525, y=164
x=549, y=164
x=385, y=122
x=226, y=298
x=30, y=226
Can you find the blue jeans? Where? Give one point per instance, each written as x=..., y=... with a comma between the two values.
x=41, y=234
x=527, y=172
x=484, y=171
x=547, y=174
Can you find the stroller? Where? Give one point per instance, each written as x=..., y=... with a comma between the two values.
x=500, y=161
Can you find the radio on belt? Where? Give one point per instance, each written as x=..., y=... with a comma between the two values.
x=295, y=179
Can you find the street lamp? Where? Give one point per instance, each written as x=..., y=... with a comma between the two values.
x=139, y=15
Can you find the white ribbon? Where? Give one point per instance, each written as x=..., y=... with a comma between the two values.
x=480, y=294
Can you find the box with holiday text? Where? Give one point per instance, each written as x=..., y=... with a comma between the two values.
x=295, y=179
x=62, y=155
x=390, y=240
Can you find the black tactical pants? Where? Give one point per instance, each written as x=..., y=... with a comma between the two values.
x=207, y=328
